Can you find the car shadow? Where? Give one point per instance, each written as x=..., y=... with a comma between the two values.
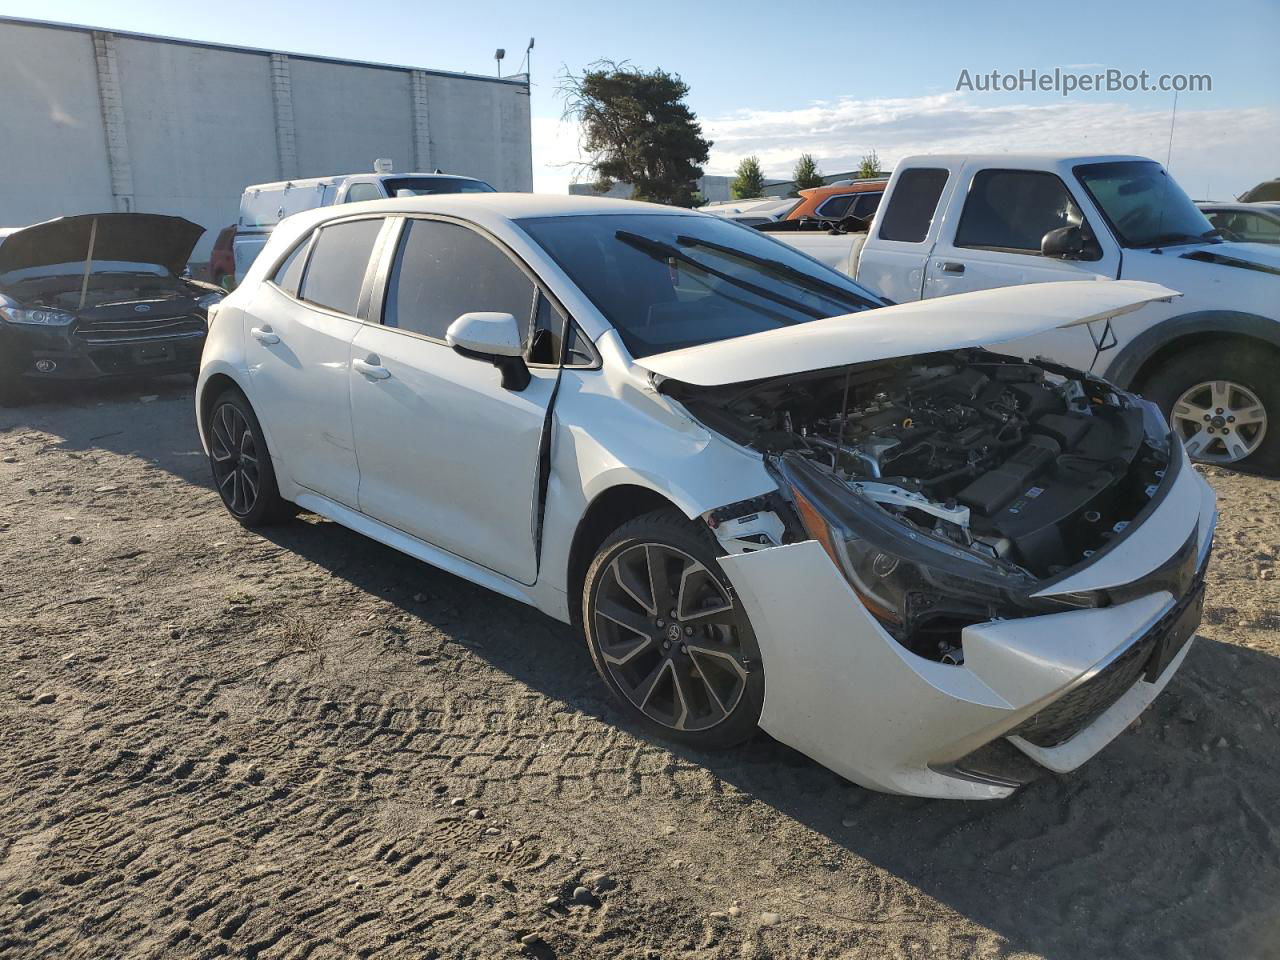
x=1051, y=869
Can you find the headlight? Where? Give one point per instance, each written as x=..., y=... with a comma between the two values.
x=209, y=299
x=922, y=589
x=40, y=317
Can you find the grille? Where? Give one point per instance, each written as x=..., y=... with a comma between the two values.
x=137, y=328
x=1069, y=714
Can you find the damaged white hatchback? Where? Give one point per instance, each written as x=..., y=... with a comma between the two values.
x=769, y=499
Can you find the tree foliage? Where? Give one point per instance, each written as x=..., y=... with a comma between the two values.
x=637, y=128
x=806, y=174
x=870, y=166
x=749, y=181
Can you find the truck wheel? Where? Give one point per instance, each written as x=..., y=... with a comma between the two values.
x=1220, y=400
x=668, y=635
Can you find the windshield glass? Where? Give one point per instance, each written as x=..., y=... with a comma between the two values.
x=667, y=282
x=427, y=186
x=1144, y=205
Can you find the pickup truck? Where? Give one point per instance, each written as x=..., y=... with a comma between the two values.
x=1209, y=359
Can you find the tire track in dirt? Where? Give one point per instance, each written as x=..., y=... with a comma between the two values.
x=254, y=747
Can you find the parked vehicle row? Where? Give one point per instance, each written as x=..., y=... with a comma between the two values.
x=768, y=498
x=952, y=224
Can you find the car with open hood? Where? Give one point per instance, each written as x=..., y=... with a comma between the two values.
x=99, y=295
x=766, y=497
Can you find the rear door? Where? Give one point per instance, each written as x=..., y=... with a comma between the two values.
x=300, y=326
x=995, y=223
x=446, y=453
x=896, y=253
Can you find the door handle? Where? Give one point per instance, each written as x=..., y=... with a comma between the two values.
x=371, y=368
x=952, y=267
x=264, y=335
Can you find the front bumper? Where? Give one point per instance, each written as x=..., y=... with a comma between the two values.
x=841, y=690
x=59, y=355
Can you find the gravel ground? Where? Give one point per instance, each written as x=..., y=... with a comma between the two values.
x=219, y=743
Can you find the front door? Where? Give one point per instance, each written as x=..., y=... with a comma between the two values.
x=446, y=453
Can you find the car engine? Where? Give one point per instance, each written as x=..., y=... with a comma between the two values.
x=1023, y=461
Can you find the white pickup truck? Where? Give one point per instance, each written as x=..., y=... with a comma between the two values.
x=1210, y=358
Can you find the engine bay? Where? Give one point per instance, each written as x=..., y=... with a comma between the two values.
x=104, y=290
x=1025, y=462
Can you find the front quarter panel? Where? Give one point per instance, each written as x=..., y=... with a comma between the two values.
x=612, y=429
x=223, y=355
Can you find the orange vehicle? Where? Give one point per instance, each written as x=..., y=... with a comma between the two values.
x=835, y=201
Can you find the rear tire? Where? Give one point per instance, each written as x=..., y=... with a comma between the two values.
x=242, y=470
x=668, y=635
x=1224, y=401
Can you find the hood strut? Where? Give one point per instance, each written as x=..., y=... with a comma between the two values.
x=88, y=262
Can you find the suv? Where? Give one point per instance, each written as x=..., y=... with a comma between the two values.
x=767, y=498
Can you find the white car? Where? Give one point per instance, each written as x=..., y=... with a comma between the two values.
x=767, y=499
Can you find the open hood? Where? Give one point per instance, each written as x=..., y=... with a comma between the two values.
x=977, y=319
x=120, y=237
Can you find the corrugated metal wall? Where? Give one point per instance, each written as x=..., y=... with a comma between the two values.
x=93, y=121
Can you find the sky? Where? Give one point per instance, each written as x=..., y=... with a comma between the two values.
x=837, y=84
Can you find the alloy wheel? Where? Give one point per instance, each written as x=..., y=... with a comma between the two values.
x=670, y=637
x=1219, y=421
x=235, y=459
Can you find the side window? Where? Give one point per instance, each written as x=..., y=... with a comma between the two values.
x=1257, y=228
x=866, y=205
x=443, y=270
x=362, y=191
x=912, y=205
x=289, y=274
x=336, y=268
x=833, y=208
x=1014, y=209
x=549, y=326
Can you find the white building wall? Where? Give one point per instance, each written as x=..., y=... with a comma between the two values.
x=193, y=124
x=53, y=151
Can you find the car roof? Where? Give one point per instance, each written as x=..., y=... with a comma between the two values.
x=835, y=189
x=510, y=206
x=1269, y=207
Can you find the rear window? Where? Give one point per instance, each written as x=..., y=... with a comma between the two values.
x=335, y=270
x=912, y=204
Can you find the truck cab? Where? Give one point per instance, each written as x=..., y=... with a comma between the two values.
x=954, y=224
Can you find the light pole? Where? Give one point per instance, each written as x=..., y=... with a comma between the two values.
x=498, y=55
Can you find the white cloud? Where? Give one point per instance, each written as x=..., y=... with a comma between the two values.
x=1216, y=153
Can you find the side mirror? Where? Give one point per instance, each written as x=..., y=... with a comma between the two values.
x=1065, y=243
x=495, y=338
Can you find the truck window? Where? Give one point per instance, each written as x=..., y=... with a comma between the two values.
x=912, y=204
x=362, y=191
x=336, y=267
x=1013, y=209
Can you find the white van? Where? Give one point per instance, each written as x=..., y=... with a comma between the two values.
x=264, y=205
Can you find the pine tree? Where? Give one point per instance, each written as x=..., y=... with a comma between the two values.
x=749, y=182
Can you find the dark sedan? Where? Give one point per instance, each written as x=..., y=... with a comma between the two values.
x=99, y=295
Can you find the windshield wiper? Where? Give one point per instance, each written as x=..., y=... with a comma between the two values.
x=1171, y=239
x=777, y=266
x=661, y=250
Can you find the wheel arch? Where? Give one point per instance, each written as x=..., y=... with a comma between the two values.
x=1135, y=363
x=213, y=386
x=609, y=510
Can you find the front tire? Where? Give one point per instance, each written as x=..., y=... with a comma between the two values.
x=1221, y=401
x=242, y=470
x=668, y=635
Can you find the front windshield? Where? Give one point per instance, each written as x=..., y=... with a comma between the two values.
x=430, y=186
x=1143, y=204
x=670, y=281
